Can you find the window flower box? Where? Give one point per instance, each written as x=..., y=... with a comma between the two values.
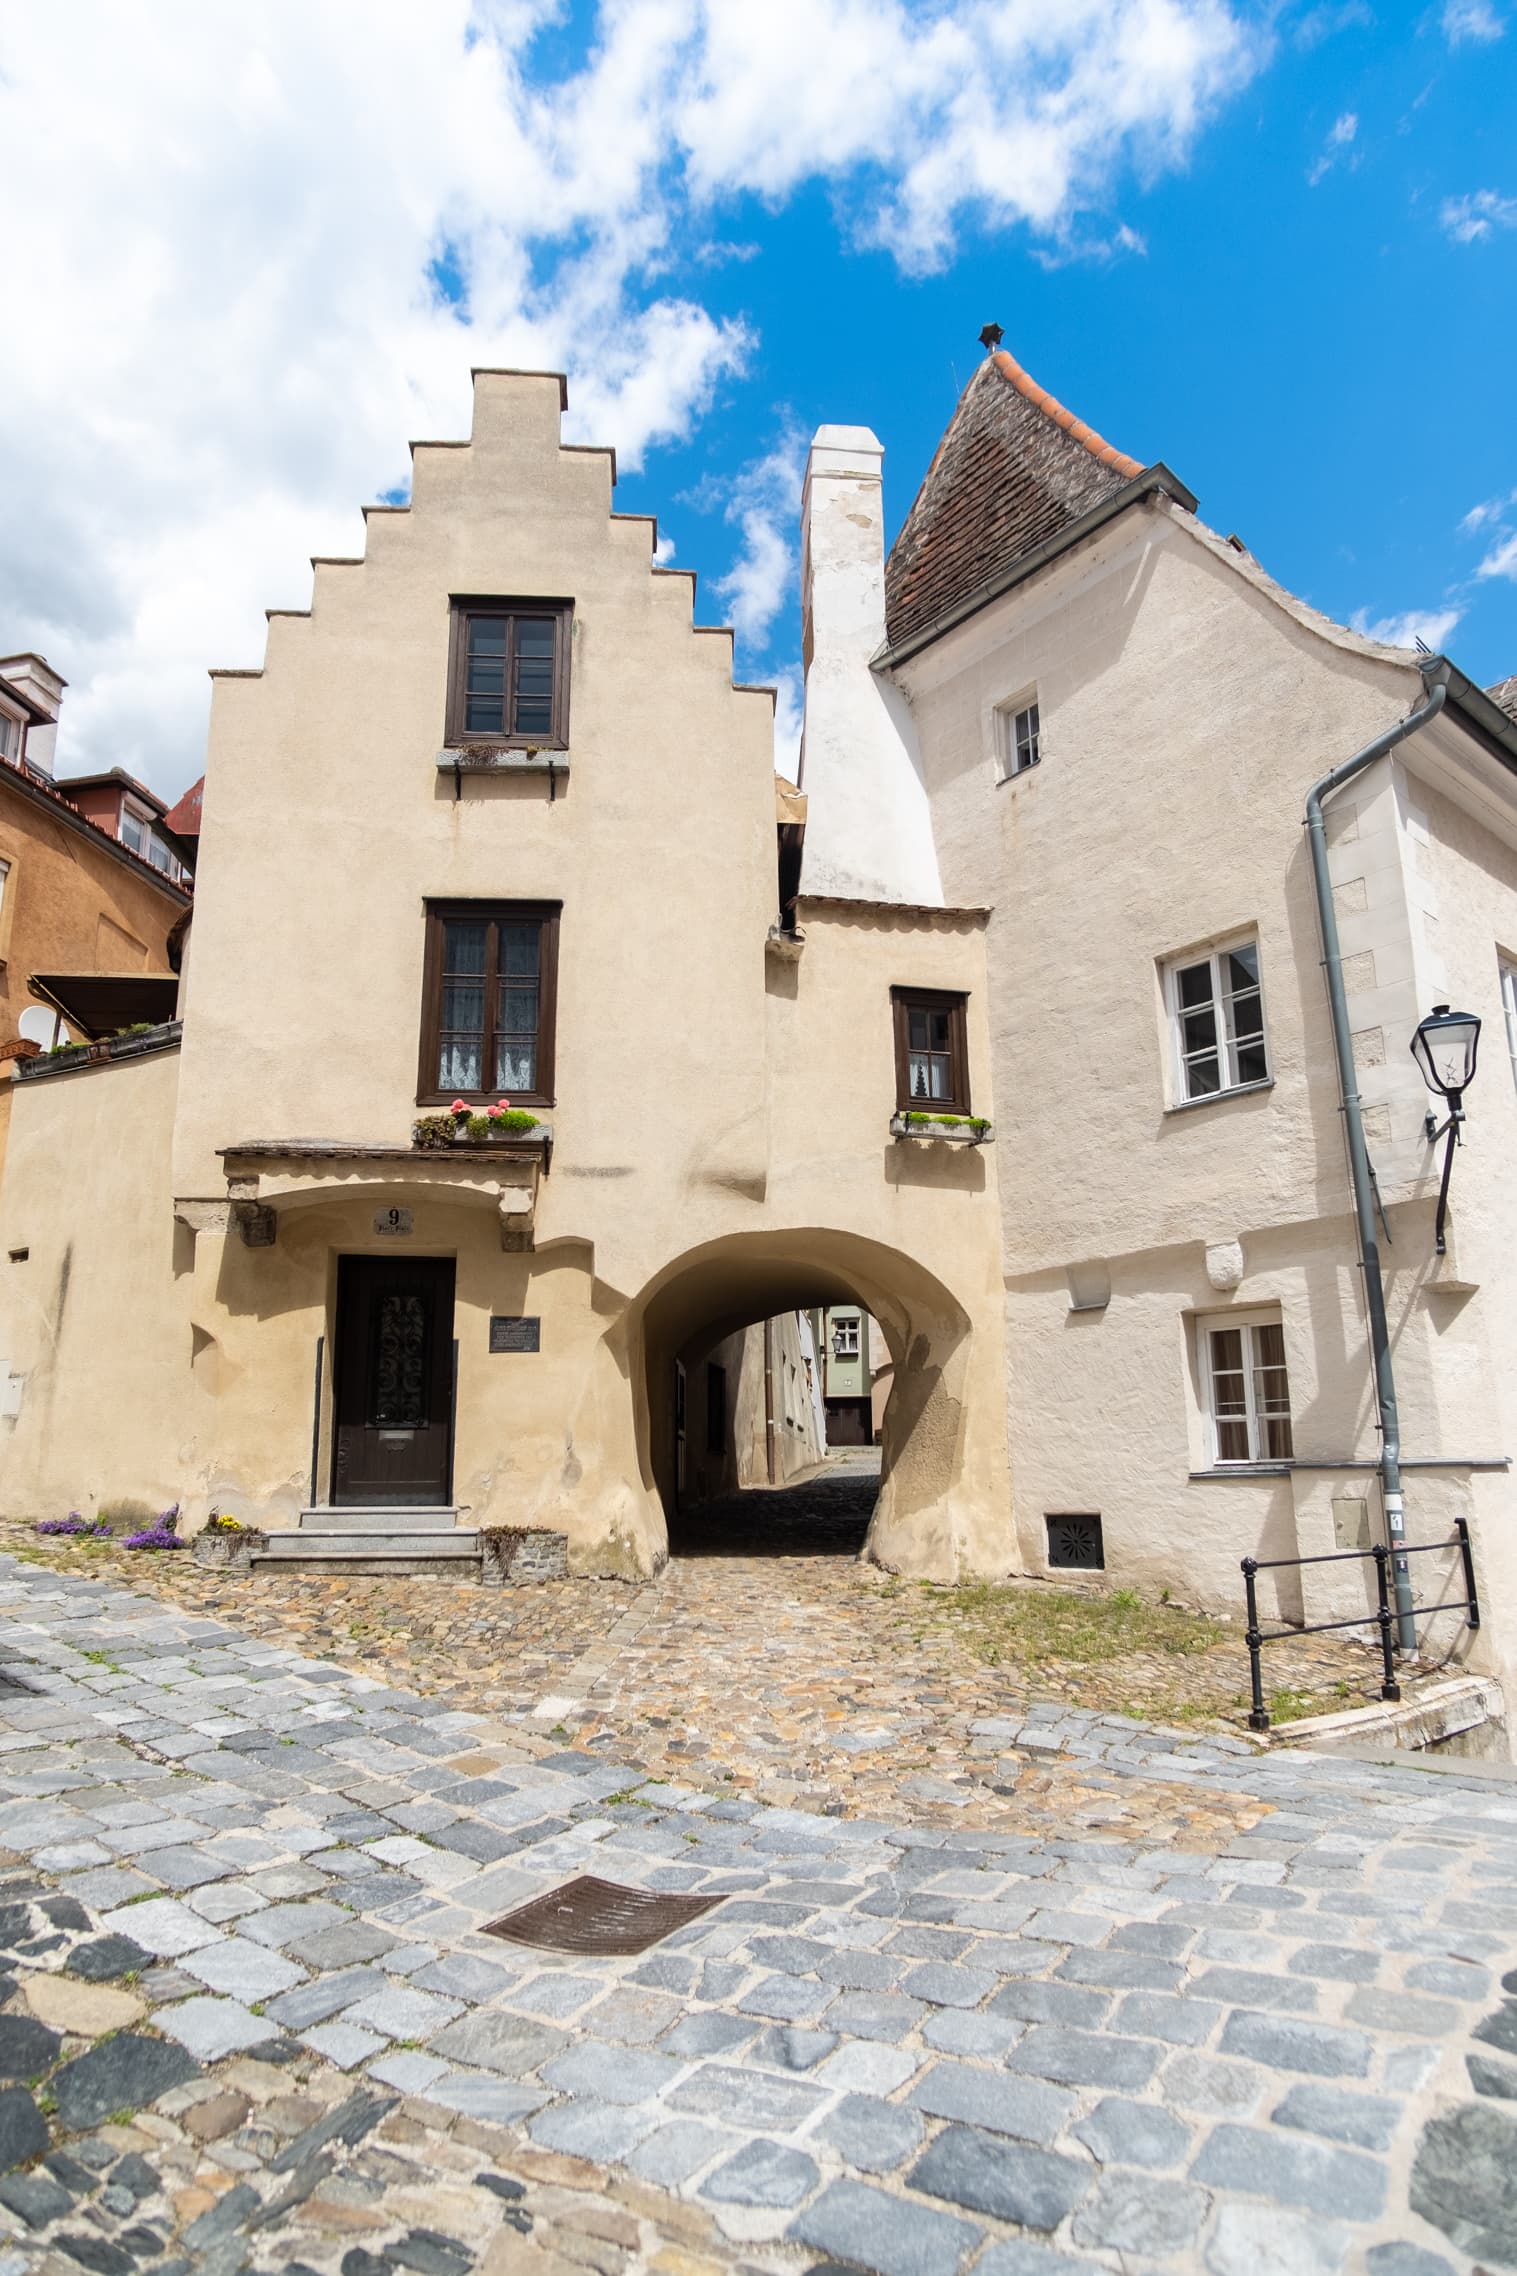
x=953, y=1129
x=465, y=1125
x=57, y=1062
x=147, y=1035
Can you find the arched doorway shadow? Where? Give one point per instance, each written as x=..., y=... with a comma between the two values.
x=925, y=1512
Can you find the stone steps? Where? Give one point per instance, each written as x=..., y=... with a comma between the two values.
x=436, y=1546
x=379, y=1519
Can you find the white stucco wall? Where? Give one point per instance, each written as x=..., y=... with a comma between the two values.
x=868, y=829
x=1186, y=708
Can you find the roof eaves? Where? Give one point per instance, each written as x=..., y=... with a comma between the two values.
x=1485, y=719
x=52, y=802
x=1157, y=478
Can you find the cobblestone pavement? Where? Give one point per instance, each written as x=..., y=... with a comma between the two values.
x=766, y=1661
x=910, y=2046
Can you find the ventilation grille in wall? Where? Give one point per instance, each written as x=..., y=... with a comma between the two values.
x=1074, y=1543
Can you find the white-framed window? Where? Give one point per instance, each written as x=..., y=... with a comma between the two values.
x=1246, y=1388
x=10, y=737
x=1018, y=736
x=134, y=830
x=1509, y=1006
x=1216, y=1016
x=845, y=1339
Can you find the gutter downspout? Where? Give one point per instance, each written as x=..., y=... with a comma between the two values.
x=1360, y=1173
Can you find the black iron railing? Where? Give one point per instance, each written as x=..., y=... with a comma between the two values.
x=1382, y=1617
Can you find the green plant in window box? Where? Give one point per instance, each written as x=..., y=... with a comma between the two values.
x=463, y=1123
x=978, y=1123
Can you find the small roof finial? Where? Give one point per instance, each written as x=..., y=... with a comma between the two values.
x=991, y=338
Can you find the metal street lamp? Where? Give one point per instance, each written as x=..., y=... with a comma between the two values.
x=1444, y=1048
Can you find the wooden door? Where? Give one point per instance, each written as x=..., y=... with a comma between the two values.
x=393, y=1382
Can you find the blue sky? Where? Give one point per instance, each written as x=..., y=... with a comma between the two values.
x=1315, y=353
x=1275, y=246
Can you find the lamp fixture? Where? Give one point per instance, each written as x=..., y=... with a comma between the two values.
x=1444, y=1048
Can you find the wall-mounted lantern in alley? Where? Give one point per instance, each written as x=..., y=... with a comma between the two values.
x=1444, y=1048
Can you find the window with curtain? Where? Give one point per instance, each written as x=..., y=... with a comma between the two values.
x=508, y=680
x=1216, y=1006
x=488, y=1016
x=931, y=1051
x=1248, y=1390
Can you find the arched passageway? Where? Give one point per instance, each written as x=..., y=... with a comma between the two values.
x=941, y=1505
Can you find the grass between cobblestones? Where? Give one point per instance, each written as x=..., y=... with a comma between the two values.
x=1112, y=1653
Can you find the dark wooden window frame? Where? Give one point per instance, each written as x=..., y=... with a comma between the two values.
x=544, y=913
x=466, y=605
x=955, y=1003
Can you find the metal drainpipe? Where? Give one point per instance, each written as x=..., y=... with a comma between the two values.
x=1358, y=1153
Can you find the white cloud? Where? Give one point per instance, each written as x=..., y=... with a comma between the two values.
x=1501, y=561
x=1478, y=215
x=788, y=715
x=1404, y=631
x=219, y=249
x=1470, y=21
x=1325, y=23
x=764, y=504
x=1340, y=135
x=1489, y=510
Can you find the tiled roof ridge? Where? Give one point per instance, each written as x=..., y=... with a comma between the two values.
x=1052, y=408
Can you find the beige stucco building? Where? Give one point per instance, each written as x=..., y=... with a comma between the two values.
x=494, y=821
x=1010, y=1029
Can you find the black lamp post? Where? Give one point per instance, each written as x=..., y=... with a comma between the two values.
x=1444, y=1048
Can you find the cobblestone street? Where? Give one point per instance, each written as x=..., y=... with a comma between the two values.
x=1085, y=1994
x=768, y=1661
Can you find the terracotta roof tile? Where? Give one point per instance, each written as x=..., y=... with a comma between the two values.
x=184, y=819
x=1012, y=470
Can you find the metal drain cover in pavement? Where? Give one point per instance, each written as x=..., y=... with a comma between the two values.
x=591, y=1915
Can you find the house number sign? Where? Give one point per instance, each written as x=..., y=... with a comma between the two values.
x=392, y=1220
x=515, y=1335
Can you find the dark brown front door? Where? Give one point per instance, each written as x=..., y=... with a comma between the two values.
x=394, y=1382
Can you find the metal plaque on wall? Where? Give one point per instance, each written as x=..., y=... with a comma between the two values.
x=515, y=1335
x=392, y=1220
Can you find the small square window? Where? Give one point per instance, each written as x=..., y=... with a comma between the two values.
x=1216, y=1014
x=1247, y=1389
x=508, y=681
x=1074, y=1542
x=1018, y=737
x=931, y=1050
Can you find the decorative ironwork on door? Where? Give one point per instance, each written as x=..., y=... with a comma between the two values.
x=400, y=1373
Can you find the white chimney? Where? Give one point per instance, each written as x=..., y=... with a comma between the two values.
x=868, y=828
x=35, y=681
